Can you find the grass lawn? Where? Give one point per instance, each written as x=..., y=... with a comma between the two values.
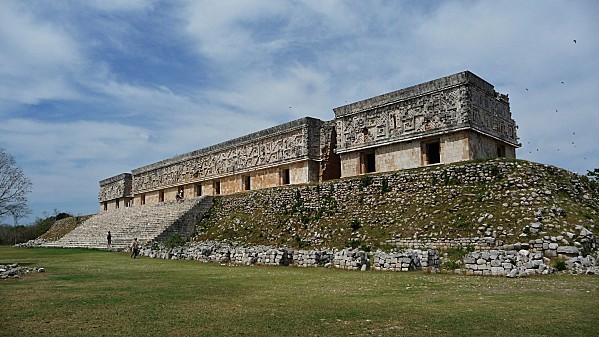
x=96, y=293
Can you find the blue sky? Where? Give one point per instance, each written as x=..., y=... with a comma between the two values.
x=91, y=89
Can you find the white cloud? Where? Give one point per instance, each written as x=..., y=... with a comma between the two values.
x=35, y=58
x=249, y=61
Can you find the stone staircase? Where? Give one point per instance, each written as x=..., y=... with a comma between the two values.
x=155, y=222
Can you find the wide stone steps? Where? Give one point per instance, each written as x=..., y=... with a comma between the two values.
x=153, y=222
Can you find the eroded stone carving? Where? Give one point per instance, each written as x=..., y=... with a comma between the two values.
x=115, y=187
x=450, y=103
x=298, y=140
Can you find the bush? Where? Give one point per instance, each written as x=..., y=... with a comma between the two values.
x=450, y=265
x=560, y=265
x=385, y=186
x=365, y=181
x=355, y=224
x=354, y=243
x=174, y=240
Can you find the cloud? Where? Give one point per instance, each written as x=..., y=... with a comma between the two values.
x=36, y=58
x=95, y=89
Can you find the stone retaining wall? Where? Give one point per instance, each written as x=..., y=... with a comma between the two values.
x=505, y=263
x=406, y=260
x=509, y=263
x=561, y=246
x=349, y=259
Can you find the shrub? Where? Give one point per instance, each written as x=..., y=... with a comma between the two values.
x=365, y=181
x=385, y=186
x=560, y=265
x=354, y=243
x=355, y=224
x=450, y=265
x=174, y=240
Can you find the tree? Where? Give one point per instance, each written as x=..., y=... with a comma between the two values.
x=594, y=174
x=14, y=187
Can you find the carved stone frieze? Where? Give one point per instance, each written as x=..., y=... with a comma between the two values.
x=404, y=119
x=115, y=187
x=451, y=103
x=491, y=114
x=287, y=143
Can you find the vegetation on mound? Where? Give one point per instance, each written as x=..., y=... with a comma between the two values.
x=510, y=200
x=12, y=235
x=63, y=225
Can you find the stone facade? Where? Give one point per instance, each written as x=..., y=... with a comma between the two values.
x=455, y=118
x=116, y=192
x=451, y=119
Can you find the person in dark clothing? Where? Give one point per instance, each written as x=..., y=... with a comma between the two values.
x=109, y=238
x=134, y=248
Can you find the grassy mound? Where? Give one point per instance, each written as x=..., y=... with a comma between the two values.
x=63, y=226
x=510, y=200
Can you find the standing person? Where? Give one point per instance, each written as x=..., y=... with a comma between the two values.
x=134, y=248
x=180, y=195
x=109, y=238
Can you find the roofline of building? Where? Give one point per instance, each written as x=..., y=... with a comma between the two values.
x=249, y=138
x=422, y=89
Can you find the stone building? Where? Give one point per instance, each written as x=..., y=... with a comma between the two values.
x=455, y=118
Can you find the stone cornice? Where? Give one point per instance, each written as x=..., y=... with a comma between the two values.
x=422, y=89
x=114, y=179
x=243, y=140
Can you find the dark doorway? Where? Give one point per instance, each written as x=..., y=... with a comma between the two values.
x=285, y=177
x=331, y=168
x=217, y=187
x=368, y=162
x=433, y=153
x=500, y=151
x=247, y=185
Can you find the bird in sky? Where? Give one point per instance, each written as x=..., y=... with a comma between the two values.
x=574, y=41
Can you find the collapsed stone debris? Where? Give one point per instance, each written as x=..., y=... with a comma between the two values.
x=15, y=271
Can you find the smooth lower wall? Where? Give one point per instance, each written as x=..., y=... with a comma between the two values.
x=453, y=148
x=299, y=173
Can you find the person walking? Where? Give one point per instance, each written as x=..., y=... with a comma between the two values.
x=109, y=239
x=134, y=248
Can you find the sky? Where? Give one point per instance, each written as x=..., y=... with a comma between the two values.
x=91, y=89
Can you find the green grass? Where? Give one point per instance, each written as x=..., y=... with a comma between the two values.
x=87, y=292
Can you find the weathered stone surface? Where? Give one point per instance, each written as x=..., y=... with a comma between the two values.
x=468, y=116
x=15, y=271
x=569, y=250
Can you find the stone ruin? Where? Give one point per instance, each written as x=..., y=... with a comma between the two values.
x=455, y=118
